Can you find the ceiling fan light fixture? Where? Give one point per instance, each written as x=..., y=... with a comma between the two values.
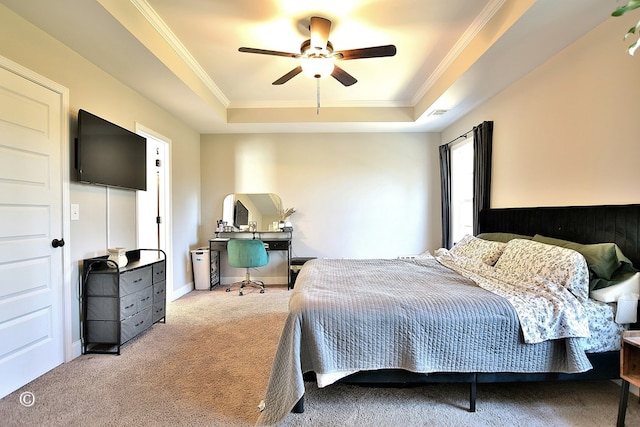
x=317, y=67
x=317, y=55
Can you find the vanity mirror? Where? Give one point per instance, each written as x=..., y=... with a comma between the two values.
x=241, y=209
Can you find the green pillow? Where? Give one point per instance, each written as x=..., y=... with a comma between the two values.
x=502, y=237
x=625, y=272
x=603, y=259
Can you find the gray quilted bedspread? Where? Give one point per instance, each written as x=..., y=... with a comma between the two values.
x=354, y=315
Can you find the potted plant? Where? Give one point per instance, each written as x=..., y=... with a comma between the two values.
x=633, y=31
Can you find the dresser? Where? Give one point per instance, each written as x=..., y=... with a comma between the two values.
x=119, y=303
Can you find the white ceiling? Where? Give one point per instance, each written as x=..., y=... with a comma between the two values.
x=451, y=55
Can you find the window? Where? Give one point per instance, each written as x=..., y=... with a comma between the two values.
x=461, y=189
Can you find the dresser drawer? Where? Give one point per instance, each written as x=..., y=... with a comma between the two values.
x=159, y=273
x=128, y=305
x=159, y=291
x=145, y=298
x=135, y=324
x=277, y=245
x=219, y=246
x=102, y=332
x=158, y=311
x=133, y=303
x=135, y=280
x=102, y=284
x=102, y=308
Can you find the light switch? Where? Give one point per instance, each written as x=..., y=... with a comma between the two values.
x=75, y=212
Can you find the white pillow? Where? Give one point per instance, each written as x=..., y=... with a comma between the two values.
x=612, y=293
x=424, y=255
x=486, y=251
x=562, y=266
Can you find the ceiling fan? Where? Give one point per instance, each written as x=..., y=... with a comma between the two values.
x=317, y=55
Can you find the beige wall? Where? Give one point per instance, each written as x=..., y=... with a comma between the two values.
x=357, y=195
x=568, y=133
x=107, y=217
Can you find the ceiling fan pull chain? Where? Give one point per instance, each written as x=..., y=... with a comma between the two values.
x=318, y=97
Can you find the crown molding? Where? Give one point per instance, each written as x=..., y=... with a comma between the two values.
x=163, y=29
x=467, y=37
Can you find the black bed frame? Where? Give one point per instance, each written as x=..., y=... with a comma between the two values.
x=619, y=224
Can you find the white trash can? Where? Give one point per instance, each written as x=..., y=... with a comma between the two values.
x=201, y=266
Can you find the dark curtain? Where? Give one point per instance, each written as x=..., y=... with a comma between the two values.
x=445, y=184
x=482, y=142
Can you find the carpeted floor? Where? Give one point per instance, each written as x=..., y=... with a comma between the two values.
x=210, y=363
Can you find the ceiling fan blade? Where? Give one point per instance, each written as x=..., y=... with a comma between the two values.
x=342, y=76
x=319, y=28
x=291, y=74
x=367, y=52
x=268, y=52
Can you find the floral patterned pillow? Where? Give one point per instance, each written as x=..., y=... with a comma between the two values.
x=482, y=250
x=562, y=266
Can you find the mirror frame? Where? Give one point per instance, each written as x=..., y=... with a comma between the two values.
x=264, y=209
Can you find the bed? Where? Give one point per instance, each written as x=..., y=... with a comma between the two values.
x=446, y=318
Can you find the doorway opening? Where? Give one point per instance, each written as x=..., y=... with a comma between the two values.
x=153, y=206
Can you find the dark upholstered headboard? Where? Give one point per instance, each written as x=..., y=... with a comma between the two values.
x=619, y=224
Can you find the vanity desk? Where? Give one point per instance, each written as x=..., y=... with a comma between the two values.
x=273, y=240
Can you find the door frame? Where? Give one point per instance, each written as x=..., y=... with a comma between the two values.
x=166, y=193
x=70, y=351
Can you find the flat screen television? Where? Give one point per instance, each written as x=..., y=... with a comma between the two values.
x=240, y=215
x=109, y=155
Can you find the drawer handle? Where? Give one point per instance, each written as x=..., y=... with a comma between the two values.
x=160, y=291
x=129, y=306
x=138, y=324
x=159, y=310
x=137, y=280
x=144, y=299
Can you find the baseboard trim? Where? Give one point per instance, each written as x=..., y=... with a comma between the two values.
x=76, y=348
x=182, y=291
x=73, y=350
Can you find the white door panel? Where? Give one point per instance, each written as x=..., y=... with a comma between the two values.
x=31, y=273
x=34, y=274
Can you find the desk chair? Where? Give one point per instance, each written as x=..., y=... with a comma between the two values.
x=246, y=253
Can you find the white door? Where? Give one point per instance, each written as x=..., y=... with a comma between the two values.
x=31, y=269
